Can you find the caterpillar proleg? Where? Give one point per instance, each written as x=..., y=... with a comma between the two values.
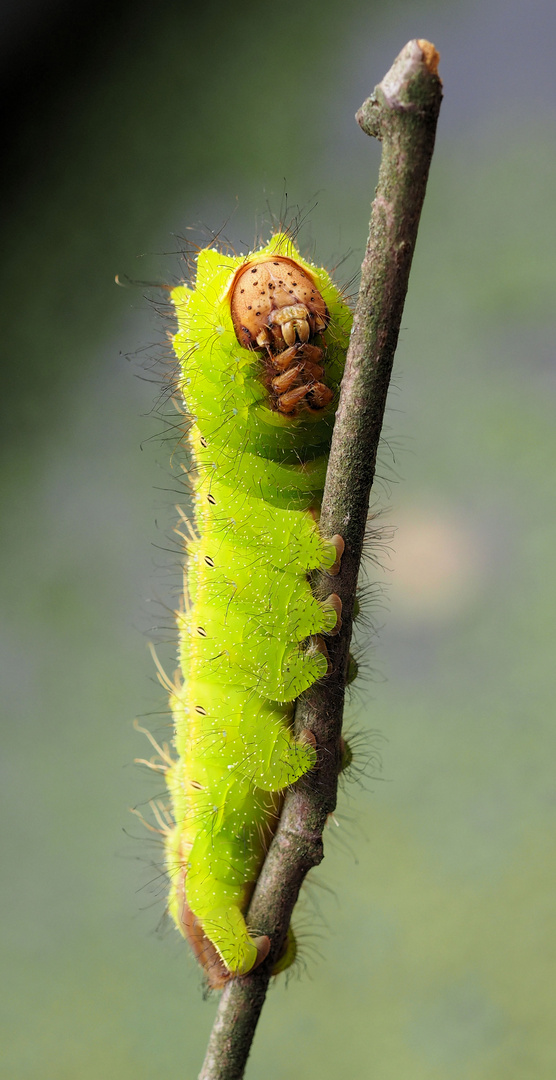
x=261, y=344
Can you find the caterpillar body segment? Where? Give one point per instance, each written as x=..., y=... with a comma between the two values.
x=282, y=537
x=261, y=343
x=207, y=954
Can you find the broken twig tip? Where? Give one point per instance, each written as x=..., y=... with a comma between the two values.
x=431, y=55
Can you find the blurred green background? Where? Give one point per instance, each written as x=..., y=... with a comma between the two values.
x=428, y=935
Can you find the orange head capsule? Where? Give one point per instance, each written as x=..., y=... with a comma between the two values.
x=277, y=309
x=275, y=303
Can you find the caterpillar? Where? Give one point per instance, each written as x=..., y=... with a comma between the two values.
x=261, y=343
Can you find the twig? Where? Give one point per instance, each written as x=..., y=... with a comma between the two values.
x=402, y=112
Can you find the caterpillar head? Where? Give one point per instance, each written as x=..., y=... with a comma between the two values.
x=275, y=302
x=277, y=309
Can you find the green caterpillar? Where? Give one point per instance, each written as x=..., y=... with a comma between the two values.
x=261, y=344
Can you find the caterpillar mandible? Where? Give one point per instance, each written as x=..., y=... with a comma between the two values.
x=261, y=345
